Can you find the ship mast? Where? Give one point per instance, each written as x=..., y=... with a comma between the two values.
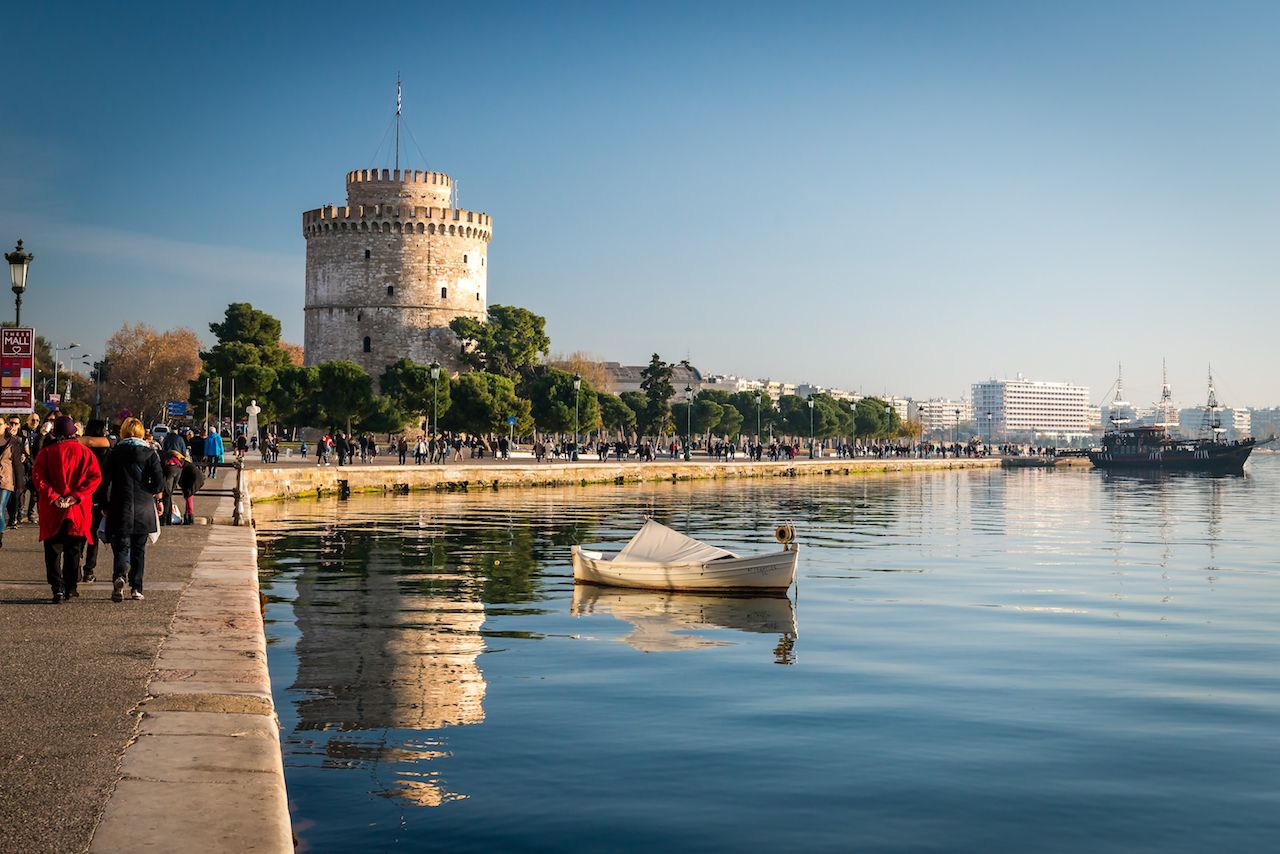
x=1118, y=403
x=1165, y=412
x=1212, y=421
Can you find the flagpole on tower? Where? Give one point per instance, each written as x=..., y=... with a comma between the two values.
x=397, y=120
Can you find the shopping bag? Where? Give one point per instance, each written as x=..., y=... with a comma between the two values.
x=175, y=517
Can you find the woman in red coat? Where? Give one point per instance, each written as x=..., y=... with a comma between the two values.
x=65, y=475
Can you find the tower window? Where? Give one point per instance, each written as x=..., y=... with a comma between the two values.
x=444, y=293
x=368, y=344
x=464, y=259
x=368, y=253
x=391, y=290
x=477, y=295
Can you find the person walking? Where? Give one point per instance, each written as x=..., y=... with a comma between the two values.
x=12, y=469
x=65, y=475
x=134, y=479
x=213, y=451
x=99, y=444
x=190, y=482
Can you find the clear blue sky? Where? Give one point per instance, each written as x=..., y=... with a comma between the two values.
x=900, y=196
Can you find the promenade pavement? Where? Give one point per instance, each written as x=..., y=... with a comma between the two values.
x=72, y=676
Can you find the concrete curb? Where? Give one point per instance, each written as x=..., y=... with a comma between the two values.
x=205, y=771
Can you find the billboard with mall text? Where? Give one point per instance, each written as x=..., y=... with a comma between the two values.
x=17, y=369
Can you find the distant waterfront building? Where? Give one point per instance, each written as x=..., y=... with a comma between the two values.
x=1265, y=423
x=628, y=378
x=941, y=417
x=730, y=383
x=1025, y=409
x=388, y=270
x=1237, y=423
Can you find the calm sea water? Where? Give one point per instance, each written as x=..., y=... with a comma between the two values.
x=974, y=661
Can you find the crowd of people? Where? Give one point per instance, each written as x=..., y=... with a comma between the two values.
x=85, y=484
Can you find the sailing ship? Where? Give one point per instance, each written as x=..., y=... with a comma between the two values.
x=1151, y=447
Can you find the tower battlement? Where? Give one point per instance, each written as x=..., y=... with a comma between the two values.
x=372, y=186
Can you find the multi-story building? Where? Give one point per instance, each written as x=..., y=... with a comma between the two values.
x=1236, y=423
x=628, y=378
x=1265, y=423
x=941, y=418
x=1021, y=409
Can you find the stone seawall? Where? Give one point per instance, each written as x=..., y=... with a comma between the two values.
x=268, y=483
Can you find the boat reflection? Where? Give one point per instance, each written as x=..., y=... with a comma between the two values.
x=668, y=621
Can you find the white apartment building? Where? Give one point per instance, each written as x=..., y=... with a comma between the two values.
x=1236, y=423
x=1265, y=423
x=1024, y=409
x=941, y=417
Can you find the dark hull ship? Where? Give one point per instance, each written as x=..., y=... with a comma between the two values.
x=1151, y=448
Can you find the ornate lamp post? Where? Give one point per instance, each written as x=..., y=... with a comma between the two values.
x=577, y=386
x=888, y=420
x=688, y=411
x=810, y=426
x=19, y=261
x=435, y=397
x=988, y=427
x=955, y=433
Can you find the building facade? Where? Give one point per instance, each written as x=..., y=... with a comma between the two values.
x=941, y=418
x=1022, y=409
x=387, y=271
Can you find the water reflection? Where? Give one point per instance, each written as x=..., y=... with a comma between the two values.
x=667, y=622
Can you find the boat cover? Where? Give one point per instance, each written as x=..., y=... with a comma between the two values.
x=656, y=543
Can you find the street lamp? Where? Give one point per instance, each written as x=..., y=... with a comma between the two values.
x=757, y=418
x=577, y=385
x=19, y=261
x=955, y=432
x=58, y=365
x=810, y=426
x=988, y=427
x=888, y=419
x=435, y=397
x=688, y=411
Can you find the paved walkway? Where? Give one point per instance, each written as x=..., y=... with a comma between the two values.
x=71, y=677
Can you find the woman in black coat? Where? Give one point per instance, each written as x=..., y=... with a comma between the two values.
x=134, y=479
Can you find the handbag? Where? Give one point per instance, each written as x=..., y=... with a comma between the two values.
x=155, y=535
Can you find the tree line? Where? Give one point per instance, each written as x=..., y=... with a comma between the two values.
x=507, y=385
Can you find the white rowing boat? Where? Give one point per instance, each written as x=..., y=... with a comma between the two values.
x=659, y=558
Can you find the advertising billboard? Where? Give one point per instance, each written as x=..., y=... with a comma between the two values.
x=17, y=370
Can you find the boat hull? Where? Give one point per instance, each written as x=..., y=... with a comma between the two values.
x=1228, y=459
x=769, y=572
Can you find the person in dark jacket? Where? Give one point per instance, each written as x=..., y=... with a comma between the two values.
x=95, y=439
x=190, y=482
x=173, y=465
x=173, y=441
x=134, y=480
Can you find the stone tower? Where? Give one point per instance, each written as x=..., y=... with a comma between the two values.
x=387, y=272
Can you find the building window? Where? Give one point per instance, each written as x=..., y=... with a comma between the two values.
x=368, y=344
x=477, y=295
x=391, y=290
x=444, y=293
x=368, y=253
x=464, y=259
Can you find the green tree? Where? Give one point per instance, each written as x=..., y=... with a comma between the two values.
x=509, y=344
x=730, y=423
x=638, y=404
x=382, y=416
x=344, y=391
x=295, y=398
x=705, y=417
x=410, y=385
x=870, y=419
x=615, y=413
x=745, y=403
x=655, y=384
x=552, y=396
x=249, y=350
x=482, y=402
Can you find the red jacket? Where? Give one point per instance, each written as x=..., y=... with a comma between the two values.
x=66, y=468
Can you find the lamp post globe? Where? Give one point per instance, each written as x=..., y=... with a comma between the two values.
x=19, y=260
x=577, y=386
x=688, y=432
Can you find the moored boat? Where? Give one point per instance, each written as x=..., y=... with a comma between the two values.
x=1151, y=447
x=660, y=558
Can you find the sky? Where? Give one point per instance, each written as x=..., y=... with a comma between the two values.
x=900, y=197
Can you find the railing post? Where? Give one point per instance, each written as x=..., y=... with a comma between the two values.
x=240, y=511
